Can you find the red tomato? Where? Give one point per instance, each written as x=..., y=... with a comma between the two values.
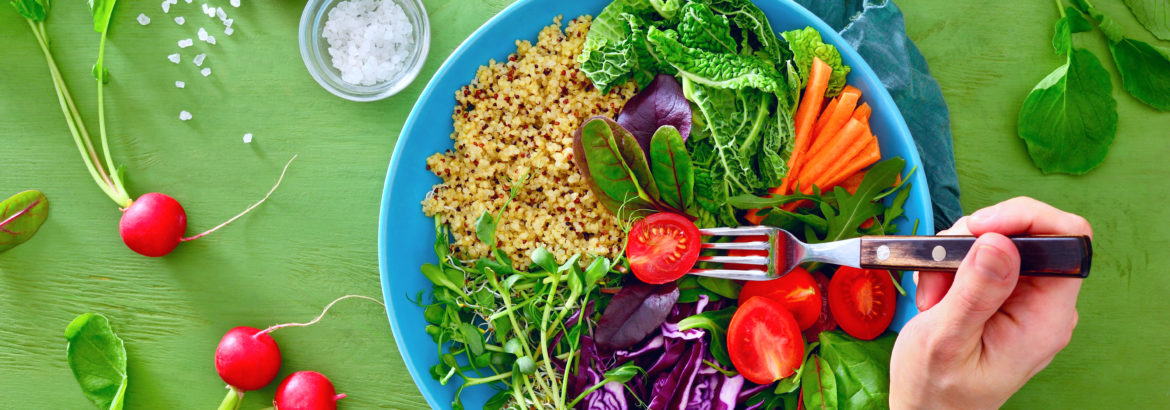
x=740, y=266
x=663, y=247
x=763, y=341
x=862, y=301
x=825, y=321
x=797, y=291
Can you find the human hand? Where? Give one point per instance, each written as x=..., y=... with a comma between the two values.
x=984, y=331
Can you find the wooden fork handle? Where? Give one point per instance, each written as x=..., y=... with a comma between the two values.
x=1057, y=256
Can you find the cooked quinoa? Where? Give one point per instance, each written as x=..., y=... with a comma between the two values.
x=516, y=119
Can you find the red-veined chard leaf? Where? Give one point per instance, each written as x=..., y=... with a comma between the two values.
x=671, y=167
x=818, y=384
x=20, y=217
x=600, y=147
x=660, y=103
x=633, y=313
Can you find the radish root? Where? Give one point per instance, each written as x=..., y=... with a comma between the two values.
x=322, y=315
x=250, y=208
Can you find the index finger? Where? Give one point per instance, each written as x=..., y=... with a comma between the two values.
x=1026, y=215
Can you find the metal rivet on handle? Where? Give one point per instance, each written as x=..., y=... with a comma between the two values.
x=939, y=253
x=883, y=252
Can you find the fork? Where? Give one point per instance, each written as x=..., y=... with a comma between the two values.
x=1040, y=255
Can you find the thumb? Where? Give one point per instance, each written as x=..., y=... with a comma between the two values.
x=985, y=279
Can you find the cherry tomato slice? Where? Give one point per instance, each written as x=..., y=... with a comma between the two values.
x=663, y=247
x=862, y=301
x=797, y=291
x=763, y=341
x=825, y=321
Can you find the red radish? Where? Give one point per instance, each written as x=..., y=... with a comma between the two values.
x=306, y=390
x=247, y=359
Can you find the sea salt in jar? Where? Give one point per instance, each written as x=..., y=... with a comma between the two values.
x=364, y=50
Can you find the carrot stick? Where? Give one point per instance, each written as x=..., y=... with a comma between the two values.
x=829, y=109
x=806, y=114
x=836, y=150
x=837, y=120
x=869, y=155
x=863, y=112
x=853, y=182
x=846, y=155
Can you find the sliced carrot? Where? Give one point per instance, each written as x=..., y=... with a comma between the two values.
x=832, y=106
x=836, y=151
x=853, y=182
x=862, y=113
x=806, y=114
x=869, y=156
x=836, y=121
x=845, y=155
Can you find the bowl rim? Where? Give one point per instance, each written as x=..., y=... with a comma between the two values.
x=881, y=94
x=313, y=11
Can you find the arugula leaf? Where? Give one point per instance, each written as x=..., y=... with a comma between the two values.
x=671, y=167
x=715, y=69
x=1153, y=14
x=853, y=209
x=102, y=10
x=862, y=368
x=819, y=384
x=34, y=10
x=806, y=43
x=702, y=29
x=97, y=357
x=793, y=382
x=21, y=215
x=1144, y=68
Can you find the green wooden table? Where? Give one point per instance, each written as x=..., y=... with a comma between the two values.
x=316, y=237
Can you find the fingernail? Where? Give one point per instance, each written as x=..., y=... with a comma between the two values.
x=992, y=261
x=985, y=214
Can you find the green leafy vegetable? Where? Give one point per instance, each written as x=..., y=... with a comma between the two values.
x=806, y=43
x=1144, y=68
x=722, y=287
x=615, y=47
x=715, y=322
x=671, y=167
x=853, y=209
x=862, y=369
x=101, y=10
x=1073, y=22
x=702, y=29
x=1153, y=14
x=98, y=360
x=758, y=38
x=599, y=142
x=715, y=69
x=819, y=384
x=20, y=217
x=33, y=10
x=792, y=383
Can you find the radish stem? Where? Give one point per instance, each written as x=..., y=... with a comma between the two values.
x=101, y=76
x=232, y=400
x=272, y=328
x=250, y=208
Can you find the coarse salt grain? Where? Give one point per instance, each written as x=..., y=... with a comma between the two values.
x=228, y=31
x=166, y=6
x=199, y=59
x=202, y=34
x=236, y=3
x=180, y=20
x=369, y=40
x=180, y=84
x=143, y=19
x=228, y=22
x=174, y=57
x=220, y=13
x=184, y=43
x=187, y=1
x=248, y=138
x=206, y=72
x=211, y=40
x=204, y=8
x=184, y=115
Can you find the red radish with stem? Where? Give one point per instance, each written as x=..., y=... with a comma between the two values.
x=306, y=390
x=249, y=359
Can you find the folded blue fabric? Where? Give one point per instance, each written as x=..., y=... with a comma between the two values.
x=875, y=28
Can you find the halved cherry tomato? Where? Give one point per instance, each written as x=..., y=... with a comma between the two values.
x=763, y=341
x=797, y=291
x=862, y=301
x=736, y=252
x=825, y=321
x=663, y=247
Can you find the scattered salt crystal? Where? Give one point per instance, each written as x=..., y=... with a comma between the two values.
x=184, y=43
x=204, y=8
x=205, y=71
x=236, y=3
x=228, y=22
x=202, y=34
x=369, y=40
x=173, y=1
x=174, y=57
x=184, y=115
x=229, y=31
x=187, y=1
x=248, y=136
x=180, y=20
x=211, y=40
x=166, y=6
x=210, y=12
x=180, y=84
x=143, y=19
x=220, y=13
x=199, y=59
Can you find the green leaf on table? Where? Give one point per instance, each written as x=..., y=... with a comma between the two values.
x=716, y=69
x=862, y=368
x=671, y=167
x=1144, y=68
x=102, y=10
x=806, y=44
x=21, y=215
x=1069, y=119
x=1072, y=22
x=97, y=357
x=702, y=29
x=1153, y=14
x=819, y=385
x=34, y=10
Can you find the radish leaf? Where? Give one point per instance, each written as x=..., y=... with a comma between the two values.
x=1143, y=67
x=34, y=10
x=102, y=10
x=1153, y=14
x=20, y=217
x=97, y=357
x=1069, y=119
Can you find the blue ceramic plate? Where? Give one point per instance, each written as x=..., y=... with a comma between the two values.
x=406, y=236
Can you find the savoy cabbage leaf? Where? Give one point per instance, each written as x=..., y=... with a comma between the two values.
x=715, y=69
x=806, y=43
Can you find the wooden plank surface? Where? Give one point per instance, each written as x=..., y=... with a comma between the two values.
x=316, y=238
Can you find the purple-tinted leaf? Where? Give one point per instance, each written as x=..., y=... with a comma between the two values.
x=679, y=380
x=611, y=396
x=633, y=313
x=669, y=359
x=660, y=103
x=615, y=169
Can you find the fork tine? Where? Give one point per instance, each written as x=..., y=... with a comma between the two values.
x=748, y=246
x=746, y=260
x=753, y=275
x=740, y=231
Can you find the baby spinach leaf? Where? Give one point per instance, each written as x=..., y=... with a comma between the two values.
x=862, y=368
x=1144, y=68
x=1069, y=119
x=722, y=287
x=633, y=313
x=101, y=10
x=819, y=384
x=671, y=166
x=1153, y=14
x=20, y=217
x=793, y=382
x=806, y=44
x=715, y=69
x=715, y=322
x=702, y=29
x=34, y=10
x=97, y=357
